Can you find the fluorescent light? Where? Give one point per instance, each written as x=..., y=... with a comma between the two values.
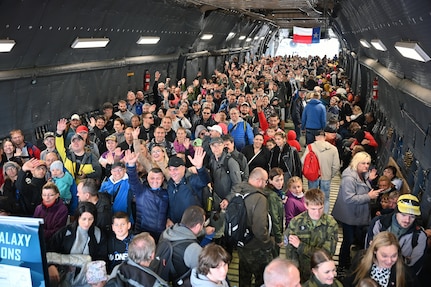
x=230, y=36
x=207, y=37
x=6, y=45
x=256, y=37
x=378, y=45
x=365, y=43
x=83, y=43
x=148, y=40
x=412, y=50
x=248, y=40
x=241, y=38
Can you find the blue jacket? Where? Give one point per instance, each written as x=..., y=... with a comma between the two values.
x=187, y=193
x=151, y=205
x=242, y=133
x=121, y=193
x=314, y=115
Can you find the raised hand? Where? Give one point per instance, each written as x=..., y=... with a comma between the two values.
x=136, y=132
x=61, y=126
x=130, y=158
x=198, y=159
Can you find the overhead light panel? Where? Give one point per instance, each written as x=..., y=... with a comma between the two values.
x=230, y=36
x=84, y=43
x=412, y=50
x=207, y=37
x=6, y=45
x=248, y=40
x=241, y=38
x=378, y=45
x=148, y=40
x=365, y=43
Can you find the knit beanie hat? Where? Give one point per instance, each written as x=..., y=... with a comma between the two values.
x=96, y=272
x=8, y=165
x=56, y=165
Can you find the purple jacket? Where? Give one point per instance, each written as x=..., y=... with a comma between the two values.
x=293, y=207
x=55, y=217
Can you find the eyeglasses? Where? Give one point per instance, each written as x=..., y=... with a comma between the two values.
x=116, y=170
x=156, y=151
x=150, y=118
x=202, y=134
x=206, y=113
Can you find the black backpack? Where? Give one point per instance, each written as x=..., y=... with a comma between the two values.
x=237, y=231
x=242, y=162
x=168, y=260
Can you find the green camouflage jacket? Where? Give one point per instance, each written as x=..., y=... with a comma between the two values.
x=324, y=235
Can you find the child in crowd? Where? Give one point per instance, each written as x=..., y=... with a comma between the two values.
x=62, y=179
x=270, y=144
x=291, y=140
x=295, y=202
x=118, y=242
x=388, y=202
x=96, y=273
x=269, y=135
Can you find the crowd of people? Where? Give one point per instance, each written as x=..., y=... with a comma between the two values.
x=165, y=167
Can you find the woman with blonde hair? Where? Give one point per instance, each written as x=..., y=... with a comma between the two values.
x=352, y=206
x=383, y=263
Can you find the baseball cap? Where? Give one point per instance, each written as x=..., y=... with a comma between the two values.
x=176, y=161
x=48, y=135
x=408, y=203
x=197, y=142
x=216, y=128
x=77, y=136
x=329, y=129
x=81, y=129
x=245, y=104
x=117, y=164
x=111, y=138
x=108, y=105
x=216, y=140
x=195, y=102
x=74, y=117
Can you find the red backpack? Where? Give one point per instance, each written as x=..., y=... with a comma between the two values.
x=311, y=167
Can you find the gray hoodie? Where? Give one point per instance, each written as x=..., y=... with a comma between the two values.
x=180, y=232
x=199, y=280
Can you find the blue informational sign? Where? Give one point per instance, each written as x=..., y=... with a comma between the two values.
x=22, y=260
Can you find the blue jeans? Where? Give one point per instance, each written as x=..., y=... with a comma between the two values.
x=351, y=234
x=325, y=186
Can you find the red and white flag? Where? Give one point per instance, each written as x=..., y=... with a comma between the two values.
x=306, y=35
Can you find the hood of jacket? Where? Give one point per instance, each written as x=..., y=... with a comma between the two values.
x=291, y=135
x=314, y=102
x=178, y=232
x=199, y=280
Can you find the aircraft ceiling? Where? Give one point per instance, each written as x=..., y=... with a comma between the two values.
x=44, y=30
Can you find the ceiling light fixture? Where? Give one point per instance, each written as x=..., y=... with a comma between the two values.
x=378, y=45
x=365, y=43
x=241, y=38
x=248, y=40
x=148, y=40
x=230, y=36
x=207, y=37
x=412, y=50
x=83, y=43
x=6, y=45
